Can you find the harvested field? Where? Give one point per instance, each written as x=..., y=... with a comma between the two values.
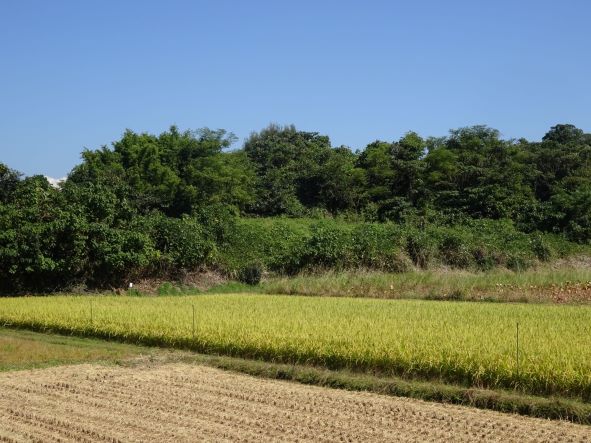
x=181, y=402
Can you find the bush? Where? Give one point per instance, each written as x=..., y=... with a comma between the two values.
x=182, y=243
x=379, y=246
x=117, y=255
x=329, y=246
x=485, y=259
x=288, y=246
x=454, y=249
x=48, y=249
x=251, y=274
x=278, y=244
x=420, y=248
x=518, y=263
x=541, y=248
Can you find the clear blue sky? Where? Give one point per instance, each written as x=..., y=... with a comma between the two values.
x=75, y=74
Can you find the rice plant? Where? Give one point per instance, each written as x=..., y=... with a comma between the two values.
x=460, y=342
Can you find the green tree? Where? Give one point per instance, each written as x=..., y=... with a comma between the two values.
x=9, y=180
x=175, y=172
x=289, y=165
x=42, y=245
x=562, y=181
x=342, y=182
x=564, y=134
x=378, y=176
x=475, y=172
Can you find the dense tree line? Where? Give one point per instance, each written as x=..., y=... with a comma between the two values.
x=164, y=204
x=472, y=172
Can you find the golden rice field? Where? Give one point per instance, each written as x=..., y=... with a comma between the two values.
x=461, y=342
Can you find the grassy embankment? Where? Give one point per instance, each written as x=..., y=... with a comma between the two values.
x=566, y=282
x=558, y=284
x=478, y=260
x=290, y=246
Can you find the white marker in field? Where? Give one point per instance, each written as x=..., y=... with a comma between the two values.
x=130, y=285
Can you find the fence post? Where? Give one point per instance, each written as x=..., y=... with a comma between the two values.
x=193, y=306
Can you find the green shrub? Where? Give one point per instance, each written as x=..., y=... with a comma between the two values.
x=486, y=259
x=454, y=250
x=166, y=288
x=541, y=248
x=289, y=246
x=182, y=243
x=519, y=262
x=421, y=248
x=251, y=274
x=117, y=255
x=329, y=246
x=380, y=246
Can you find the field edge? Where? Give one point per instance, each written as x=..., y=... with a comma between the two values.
x=556, y=408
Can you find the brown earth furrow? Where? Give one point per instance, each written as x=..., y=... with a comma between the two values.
x=70, y=407
x=9, y=434
x=141, y=425
x=30, y=431
x=181, y=402
x=241, y=425
x=219, y=387
x=246, y=407
x=253, y=405
x=62, y=427
x=146, y=412
x=242, y=409
x=334, y=410
x=240, y=422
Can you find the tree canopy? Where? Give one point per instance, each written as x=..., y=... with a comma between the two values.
x=161, y=202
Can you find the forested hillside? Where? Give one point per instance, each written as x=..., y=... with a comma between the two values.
x=181, y=201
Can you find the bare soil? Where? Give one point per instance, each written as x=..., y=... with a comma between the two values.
x=201, y=280
x=564, y=293
x=181, y=402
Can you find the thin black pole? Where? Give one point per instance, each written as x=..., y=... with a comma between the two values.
x=518, y=350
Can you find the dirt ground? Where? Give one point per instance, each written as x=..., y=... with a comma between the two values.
x=182, y=402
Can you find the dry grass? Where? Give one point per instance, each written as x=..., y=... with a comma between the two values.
x=179, y=402
x=564, y=282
